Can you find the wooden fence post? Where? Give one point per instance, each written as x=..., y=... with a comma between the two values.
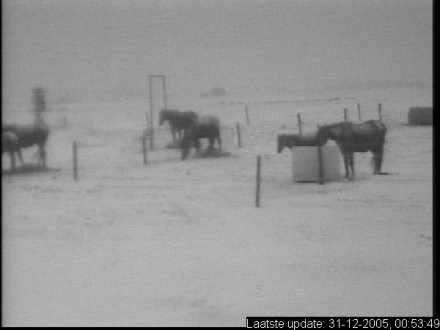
x=258, y=178
x=75, y=161
x=379, y=109
x=320, y=166
x=359, y=111
x=150, y=85
x=298, y=117
x=237, y=126
x=144, y=148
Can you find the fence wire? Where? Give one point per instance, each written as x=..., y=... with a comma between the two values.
x=105, y=146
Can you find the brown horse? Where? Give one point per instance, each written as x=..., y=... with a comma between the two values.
x=204, y=127
x=30, y=135
x=179, y=121
x=350, y=138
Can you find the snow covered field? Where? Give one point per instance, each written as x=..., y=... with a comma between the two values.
x=181, y=243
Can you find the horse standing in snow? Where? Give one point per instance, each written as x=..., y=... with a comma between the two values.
x=179, y=121
x=204, y=127
x=350, y=138
x=28, y=136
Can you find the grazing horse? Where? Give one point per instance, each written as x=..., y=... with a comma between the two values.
x=30, y=135
x=297, y=140
x=350, y=138
x=10, y=145
x=203, y=127
x=179, y=121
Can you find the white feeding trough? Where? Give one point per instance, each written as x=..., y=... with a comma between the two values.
x=309, y=166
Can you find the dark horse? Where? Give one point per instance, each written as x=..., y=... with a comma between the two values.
x=297, y=140
x=10, y=145
x=366, y=136
x=203, y=127
x=179, y=121
x=28, y=136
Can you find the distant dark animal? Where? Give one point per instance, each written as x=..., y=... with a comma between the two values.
x=179, y=121
x=366, y=136
x=204, y=127
x=30, y=135
x=215, y=92
x=297, y=140
x=420, y=116
x=10, y=145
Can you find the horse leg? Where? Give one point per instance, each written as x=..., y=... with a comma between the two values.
x=219, y=141
x=346, y=165
x=173, y=134
x=211, y=143
x=197, y=144
x=351, y=159
x=43, y=156
x=379, y=163
x=379, y=158
x=20, y=156
x=375, y=160
x=11, y=155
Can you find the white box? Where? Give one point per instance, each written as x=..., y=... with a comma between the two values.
x=305, y=163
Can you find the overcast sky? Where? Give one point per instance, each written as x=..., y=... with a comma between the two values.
x=103, y=49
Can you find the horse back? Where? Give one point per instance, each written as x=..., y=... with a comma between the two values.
x=365, y=136
x=370, y=127
x=365, y=129
x=206, y=126
x=186, y=119
x=208, y=120
x=169, y=113
x=179, y=119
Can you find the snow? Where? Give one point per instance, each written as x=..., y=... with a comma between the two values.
x=181, y=242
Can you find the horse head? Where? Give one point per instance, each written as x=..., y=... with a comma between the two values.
x=322, y=135
x=332, y=132
x=281, y=142
x=162, y=114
